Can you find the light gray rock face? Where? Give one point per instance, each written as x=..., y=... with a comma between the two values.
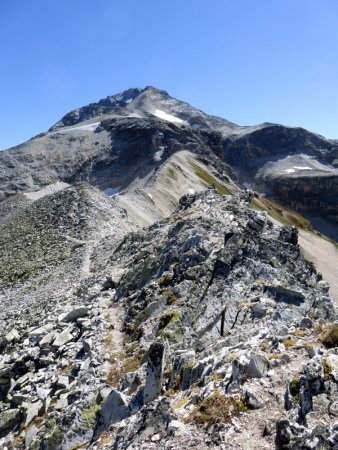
x=257, y=366
x=77, y=313
x=114, y=410
x=155, y=367
x=63, y=338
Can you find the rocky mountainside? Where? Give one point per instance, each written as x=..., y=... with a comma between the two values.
x=207, y=329
x=148, y=300
x=131, y=134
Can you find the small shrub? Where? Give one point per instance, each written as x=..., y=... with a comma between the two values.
x=330, y=337
x=130, y=348
x=171, y=298
x=166, y=318
x=180, y=403
x=299, y=333
x=264, y=345
x=174, y=387
x=130, y=364
x=216, y=377
x=165, y=280
x=327, y=368
x=289, y=343
x=217, y=409
x=273, y=356
x=295, y=388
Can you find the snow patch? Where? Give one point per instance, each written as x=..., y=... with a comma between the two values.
x=165, y=116
x=302, y=168
x=158, y=154
x=47, y=190
x=89, y=127
x=111, y=192
x=289, y=170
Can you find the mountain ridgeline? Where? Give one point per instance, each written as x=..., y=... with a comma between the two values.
x=130, y=135
x=154, y=286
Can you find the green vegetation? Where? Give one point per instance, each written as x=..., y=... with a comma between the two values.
x=330, y=337
x=295, y=389
x=171, y=298
x=183, y=401
x=165, y=280
x=33, y=239
x=89, y=415
x=171, y=173
x=53, y=434
x=299, y=333
x=217, y=409
x=264, y=345
x=289, y=343
x=278, y=212
x=209, y=180
x=126, y=365
x=168, y=317
x=327, y=368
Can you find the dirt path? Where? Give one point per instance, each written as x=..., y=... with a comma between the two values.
x=324, y=255
x=114, y=315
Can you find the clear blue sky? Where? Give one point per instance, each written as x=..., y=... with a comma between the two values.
x=249, y=61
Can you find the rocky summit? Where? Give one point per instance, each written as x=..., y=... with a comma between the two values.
x=150, y=301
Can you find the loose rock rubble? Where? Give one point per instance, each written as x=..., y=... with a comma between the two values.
x=205, y=330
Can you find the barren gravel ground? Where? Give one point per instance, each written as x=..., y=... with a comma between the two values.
x=325, y=257
x=322, y=253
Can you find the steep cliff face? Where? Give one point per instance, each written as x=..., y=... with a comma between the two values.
x=255, y=146
x=292, y=166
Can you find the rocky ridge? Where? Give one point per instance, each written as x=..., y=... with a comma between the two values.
x=207, y=329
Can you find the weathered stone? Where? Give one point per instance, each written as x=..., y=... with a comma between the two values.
x=257, y=366
x=320, y=410
x=30, y=435
x=9, y=419
x=154, y=375
x=306, y=322
x=75, y=314
x=11, y=337
x=48, y=338
x=252, y=399
x=63, y=338
x=37, y=333
x=61, y=404
x=33, y=410
x=333, y=409
x=176, y=427
x=18, y=399
x=114, y=410
x=63, y=382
